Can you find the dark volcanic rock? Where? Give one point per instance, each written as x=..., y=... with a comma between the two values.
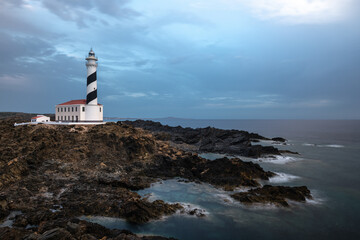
x=227, y=173
x=53, y=174
x=287, y=151
x=7, y=233
x=208, y=139
x=142, y=212
x=273, y=194
x=64, y=229
x=56, y=233
x=92, y=170
x=279, y=139
x=4, y=209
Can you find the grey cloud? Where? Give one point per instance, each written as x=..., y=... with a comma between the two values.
x=69, y=10
x=11, y=22
x=116, y=8
x=15, y=48
x=79, y=11
x=13, y=3
x=34, y=74
x=141, y=63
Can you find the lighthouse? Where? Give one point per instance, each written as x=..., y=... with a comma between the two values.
x=91, y=89
x=83, y=110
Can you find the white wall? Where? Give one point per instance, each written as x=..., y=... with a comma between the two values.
x=41, y=119
x=91, y=113
x=75, y=111
x=94, y=112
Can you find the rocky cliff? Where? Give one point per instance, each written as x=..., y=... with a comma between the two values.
x=209, y=139
x=53, y=174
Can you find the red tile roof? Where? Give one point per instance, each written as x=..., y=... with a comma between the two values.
x=81, y=101
x=39, y=116
x=75, y=102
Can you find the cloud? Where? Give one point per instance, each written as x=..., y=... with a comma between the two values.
x=116, y=8
x=263, y=101
x=299, y=11
x=85, y=12
x=13, y=81
x=228, y=102
x=77, y=11
x=12, y=3
x=135, y=94
x=180, y=54
x=10, y=20
x=131, y=95
x=315, y=103
x=217, y=98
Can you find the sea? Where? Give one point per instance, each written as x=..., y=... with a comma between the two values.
x=328, y=164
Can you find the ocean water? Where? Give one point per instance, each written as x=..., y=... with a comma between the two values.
x=328, y=164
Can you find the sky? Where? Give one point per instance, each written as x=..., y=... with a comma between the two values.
x=208, y=59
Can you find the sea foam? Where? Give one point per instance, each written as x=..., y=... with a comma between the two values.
x=282, y=177
x=323, y=145
x=332, y=146
x=192, y=210
x=278, y=159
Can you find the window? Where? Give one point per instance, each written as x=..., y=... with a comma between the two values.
x=58, y=118
x=65, y=109
x=61, y=109
x=83, y=109
x=100, y=109
x=75, y=109
x=58, y=109
x=61, y=118
x=72, y=109
x=69, y=109
x=72, y=118
x=77, y=118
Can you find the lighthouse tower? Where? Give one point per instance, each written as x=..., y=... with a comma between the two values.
x=91, y=90
x=83, y=110
x=93, y=111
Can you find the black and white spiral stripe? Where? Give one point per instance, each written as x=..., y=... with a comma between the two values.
x=92, y=94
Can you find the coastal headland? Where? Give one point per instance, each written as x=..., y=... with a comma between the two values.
x=52, y=175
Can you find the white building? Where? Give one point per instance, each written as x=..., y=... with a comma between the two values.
x=83, y=110
x=40, y=118
x=75, y=111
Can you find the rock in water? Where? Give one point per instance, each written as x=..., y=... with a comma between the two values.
x=225, y=172
x=273, y=194
x=53, y=174
x=208, y=139
x=279, y=139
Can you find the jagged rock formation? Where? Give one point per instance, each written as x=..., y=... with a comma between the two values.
x=226, y=173
x=209, y=139
x=53, y=174
x=273, y=194
x=72, y=229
